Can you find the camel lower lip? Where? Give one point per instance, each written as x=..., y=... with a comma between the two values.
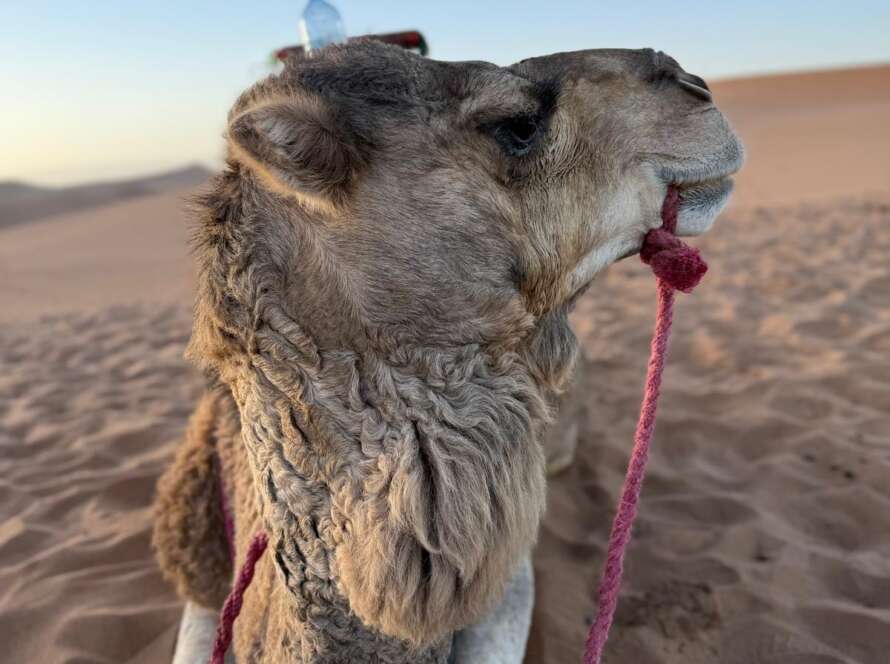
x=700, y=203
x=704, y=193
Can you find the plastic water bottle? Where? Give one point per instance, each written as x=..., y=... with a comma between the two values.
x=320, y=25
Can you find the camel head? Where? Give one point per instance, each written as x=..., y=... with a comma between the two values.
x=462, y=202
x=387, y=266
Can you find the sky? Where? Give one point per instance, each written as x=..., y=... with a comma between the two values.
x=107, y=90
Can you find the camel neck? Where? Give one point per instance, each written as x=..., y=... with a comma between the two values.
x=383, y=481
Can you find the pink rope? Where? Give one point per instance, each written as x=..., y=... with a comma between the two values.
x=232, y=606
x=677, y=267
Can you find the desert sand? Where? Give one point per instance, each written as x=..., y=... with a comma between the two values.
x=21, y=202
x=764, y=535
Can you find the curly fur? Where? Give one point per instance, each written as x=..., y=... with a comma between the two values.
x=189, y=534
x=401, y=485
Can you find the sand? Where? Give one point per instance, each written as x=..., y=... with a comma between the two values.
x=91, y=409
x=813, y=136
x=764, y=535
x=21, y=202
x=124, y=253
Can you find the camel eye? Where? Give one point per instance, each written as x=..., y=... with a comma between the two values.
x=517, y=135
x=522, y=130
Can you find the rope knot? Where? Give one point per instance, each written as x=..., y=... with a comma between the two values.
x=673, y=261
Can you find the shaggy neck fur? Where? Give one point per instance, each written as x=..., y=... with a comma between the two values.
x=400, y=486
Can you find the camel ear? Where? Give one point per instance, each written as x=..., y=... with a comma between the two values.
x=299, y=147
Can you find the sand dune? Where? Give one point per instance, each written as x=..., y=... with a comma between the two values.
x=129, y=252
x=20, y=202
x=811, y=136
x=763, y=532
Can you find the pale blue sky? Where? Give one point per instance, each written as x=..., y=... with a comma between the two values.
x=111, y=89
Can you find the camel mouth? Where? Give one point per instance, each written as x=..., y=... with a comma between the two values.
x=701, y=202
x=704, y=187
x=699, y=188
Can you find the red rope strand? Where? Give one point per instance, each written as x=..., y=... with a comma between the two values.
x=677, y=267
x=232, y=606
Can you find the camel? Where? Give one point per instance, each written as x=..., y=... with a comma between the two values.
x=386, y=266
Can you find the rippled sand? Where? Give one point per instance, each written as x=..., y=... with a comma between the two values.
x=764, y=531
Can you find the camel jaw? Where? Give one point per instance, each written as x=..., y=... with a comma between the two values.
x=704, y=193
x=701, y=202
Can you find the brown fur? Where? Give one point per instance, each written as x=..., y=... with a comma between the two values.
x=385, y=275
x=189, y=534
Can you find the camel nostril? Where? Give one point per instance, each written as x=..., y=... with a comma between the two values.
x=694, y=84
